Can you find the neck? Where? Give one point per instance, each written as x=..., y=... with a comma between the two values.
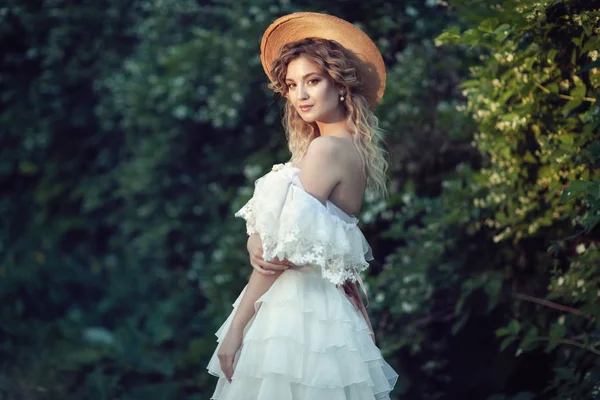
x=334, y=126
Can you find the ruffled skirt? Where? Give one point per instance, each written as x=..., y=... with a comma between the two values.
x=305, y=342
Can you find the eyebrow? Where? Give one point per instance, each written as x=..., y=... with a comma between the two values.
x=305, y=76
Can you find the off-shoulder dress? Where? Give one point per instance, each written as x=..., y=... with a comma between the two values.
x=306, y=340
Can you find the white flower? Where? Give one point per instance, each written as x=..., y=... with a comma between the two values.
x=277, y=167
x=407, y=307
x=251, y=171
x=561, y=280
x=406, y=198
x=580, y=248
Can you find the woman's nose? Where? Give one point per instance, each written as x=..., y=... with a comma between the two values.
x=301, y=93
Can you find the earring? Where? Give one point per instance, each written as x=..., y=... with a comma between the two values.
x=342, y=98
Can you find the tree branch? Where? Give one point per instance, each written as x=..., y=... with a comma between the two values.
x=550, y=304
x=572, y=343
x=565, y=96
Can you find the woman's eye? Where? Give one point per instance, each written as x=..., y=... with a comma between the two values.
x=313, y=81
x=291, y=85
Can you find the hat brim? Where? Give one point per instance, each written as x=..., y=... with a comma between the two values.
x=301, y=25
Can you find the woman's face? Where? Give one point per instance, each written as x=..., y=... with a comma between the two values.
x=311, y=92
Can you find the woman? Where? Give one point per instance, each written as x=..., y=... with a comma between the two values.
x=299, y=330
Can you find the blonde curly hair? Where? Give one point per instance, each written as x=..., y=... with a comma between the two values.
x=340, y=65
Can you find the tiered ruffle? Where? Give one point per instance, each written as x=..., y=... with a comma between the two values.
x=306, y=342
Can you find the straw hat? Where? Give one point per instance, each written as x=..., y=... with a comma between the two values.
x=301, y=25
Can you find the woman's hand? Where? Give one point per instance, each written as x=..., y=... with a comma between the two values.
x=255, y=251
x=229, y=348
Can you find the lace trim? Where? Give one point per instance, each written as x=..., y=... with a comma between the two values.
x=295, y=225
x=247, y=213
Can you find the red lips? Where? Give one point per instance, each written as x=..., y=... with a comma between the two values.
x=305, y=108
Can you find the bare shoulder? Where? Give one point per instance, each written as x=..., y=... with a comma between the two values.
x=338, y=152
x=320, y=167
x=325, y=147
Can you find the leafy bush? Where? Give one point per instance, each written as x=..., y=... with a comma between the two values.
x=503, y=248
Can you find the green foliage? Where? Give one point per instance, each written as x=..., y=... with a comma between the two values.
x=119, y=203
x=533, y=100
x=481, y=245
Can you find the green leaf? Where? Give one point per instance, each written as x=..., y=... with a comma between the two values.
x=514, y=327
x=493, y=288
x=592, y=151
x=458, y=325
x=449, y=36
x=161, y=333
x=84, y=356
x=588, y=67
x=507, y=342
x=588, y=28
x=471, y=36
x=460, y=303
x=579, y=90
x=566, y=374
x=576, y=189
x=529, y=158
x=500, y=36
x=592, y=43
x=99, y=336
x=470, y=83
x=571, y=105
x=551, y=346
x=593, y=189
x=28, y=168
x=502, y=332
x=557, y=331
x=529, y=339
x=552, y=87
x=502, y=28
x=488, y=25
x=508, y=93
x=567, y=139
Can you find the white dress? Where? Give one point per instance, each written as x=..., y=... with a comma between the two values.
x=306, y=340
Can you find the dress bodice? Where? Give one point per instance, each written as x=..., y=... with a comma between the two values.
x=295, y=225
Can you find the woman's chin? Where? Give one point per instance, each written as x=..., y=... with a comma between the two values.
x=307, y=118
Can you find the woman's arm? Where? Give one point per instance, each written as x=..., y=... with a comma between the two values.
x=260, y=281
x=255, y=251
x=257, y=286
